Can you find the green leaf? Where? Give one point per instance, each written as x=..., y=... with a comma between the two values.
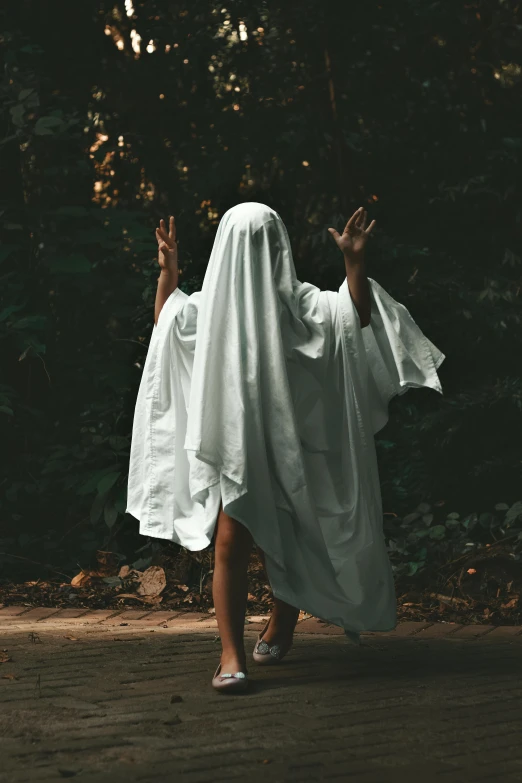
x=512, y=143
x=112, y=581
x=485, y=519
x=514, y=512
x=32, y=49
x=470, y=521
x=454, y=515
x=409, y=518
x=6, y=410
x=93, y=480
x=120, y=501
x=110, y=514
x=142, y=563
x=452, y=523
x=71, y=211
x=97, y=508
x=17, y=114
x=96, y=236
x=46, y=126
x=386, y=444
x=73, y=264
x=437, y=532
x=119, y=442
x=23, y=94
x=6, y=250
x=413, y=567
x=36, y=322
x=7, y=311
x=38, y=348
x=107, y=482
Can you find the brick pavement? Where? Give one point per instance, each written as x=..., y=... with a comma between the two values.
x=126, y=696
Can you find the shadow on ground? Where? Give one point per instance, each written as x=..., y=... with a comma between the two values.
x=137, y=705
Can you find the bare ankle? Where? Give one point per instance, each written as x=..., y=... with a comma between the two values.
x=232, y=661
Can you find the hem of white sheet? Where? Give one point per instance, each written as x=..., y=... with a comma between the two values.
x=145, y=530
x=352, y=635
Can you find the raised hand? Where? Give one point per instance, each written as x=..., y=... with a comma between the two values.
x=167, y=246
x=353, y=240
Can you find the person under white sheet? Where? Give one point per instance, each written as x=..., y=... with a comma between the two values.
x=255, y=421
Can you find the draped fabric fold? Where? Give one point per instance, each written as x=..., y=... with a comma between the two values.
x=265, y=393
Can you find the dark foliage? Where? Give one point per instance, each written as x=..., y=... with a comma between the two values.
x=406, y=108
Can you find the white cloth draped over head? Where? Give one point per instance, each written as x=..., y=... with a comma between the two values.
x=264, y=393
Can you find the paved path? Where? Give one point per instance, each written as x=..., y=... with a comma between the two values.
x=106, y=696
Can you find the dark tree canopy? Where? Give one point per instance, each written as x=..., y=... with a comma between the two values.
x=116, y=114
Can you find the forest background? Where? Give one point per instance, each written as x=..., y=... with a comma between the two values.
x=114, y=114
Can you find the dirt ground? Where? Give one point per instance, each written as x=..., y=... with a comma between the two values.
x=105, y=696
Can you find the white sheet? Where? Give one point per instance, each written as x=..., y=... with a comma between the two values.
x=273, y=408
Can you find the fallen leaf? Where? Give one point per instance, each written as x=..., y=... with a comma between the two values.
x=124, y=572
x=131, y=595
x=112, y=581
x=511, y=604
x=447, y=599
x=72, y=638
x=9, y=677
x=81, y=580
x=152, y=599
x=153, y=581
x=4, y=657
x=108, y=561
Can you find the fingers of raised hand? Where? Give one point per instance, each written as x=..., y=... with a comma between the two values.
x=172, y=228
x=334, y=233
x=161, y=234
x=362, y=224
x=361, y=220
x=352, y=222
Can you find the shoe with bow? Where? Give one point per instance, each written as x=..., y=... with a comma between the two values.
x=266, y=654
x=230, y=683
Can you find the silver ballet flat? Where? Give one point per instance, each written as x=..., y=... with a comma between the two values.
x=266, y=654
x=230, y=683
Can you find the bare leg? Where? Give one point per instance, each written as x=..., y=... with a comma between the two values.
x=233, y=543
x=282, y=620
